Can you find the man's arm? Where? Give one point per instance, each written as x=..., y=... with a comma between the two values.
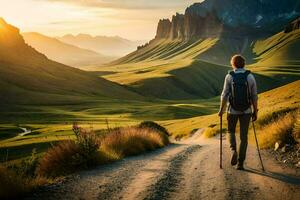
x=254, y=97
x=224, y=95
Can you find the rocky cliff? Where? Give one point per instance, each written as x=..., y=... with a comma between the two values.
x=213, y=18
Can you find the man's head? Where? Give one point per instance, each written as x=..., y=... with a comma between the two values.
x=238, y=61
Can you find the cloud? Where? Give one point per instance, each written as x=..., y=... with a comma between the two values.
x=129, y=4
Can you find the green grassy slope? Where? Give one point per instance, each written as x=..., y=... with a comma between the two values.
x=27, y=76
x=195, y=68
x=281, y=49
x=277, y=100
x=278, y=58
x=169, y=69
x=180, y=67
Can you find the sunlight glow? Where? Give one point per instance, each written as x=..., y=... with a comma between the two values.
x=56, y=18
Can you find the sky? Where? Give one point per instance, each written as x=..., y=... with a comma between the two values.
x=131, y=19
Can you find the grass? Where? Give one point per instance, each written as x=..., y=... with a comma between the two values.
x=88, y=149
x=279, y=130
x=184, y=73
x=279, y=100
x=29, y=77
x=12, y=186
x=192, y=69
x=132, y=141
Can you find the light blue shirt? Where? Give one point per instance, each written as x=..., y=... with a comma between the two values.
x=226, y=91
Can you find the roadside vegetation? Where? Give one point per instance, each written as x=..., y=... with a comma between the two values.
x=90, y=148
x=273, y=105
x=281, y=129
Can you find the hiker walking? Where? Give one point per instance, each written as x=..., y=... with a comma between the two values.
x=241, y=91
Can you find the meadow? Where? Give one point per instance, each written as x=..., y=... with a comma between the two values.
x=173, y=82
x=49, y=124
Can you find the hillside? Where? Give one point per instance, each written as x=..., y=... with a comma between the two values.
x=278, y=57
x=64, y=53
x=192, y=47
x=113, y=46
x=27, y=76
x=278, y=100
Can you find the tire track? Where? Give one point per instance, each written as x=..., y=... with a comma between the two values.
x=172, y=177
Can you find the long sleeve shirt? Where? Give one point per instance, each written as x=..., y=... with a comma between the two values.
x=226, y=91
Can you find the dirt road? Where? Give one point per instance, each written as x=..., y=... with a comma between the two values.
x=185, y=170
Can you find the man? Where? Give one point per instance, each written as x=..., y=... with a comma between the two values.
x=241, y=91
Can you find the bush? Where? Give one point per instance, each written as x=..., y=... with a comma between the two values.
x=89, y=149
x=132, y=141
x=154, y=126
x=69, y=156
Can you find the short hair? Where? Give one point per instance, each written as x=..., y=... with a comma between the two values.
x=238, y=61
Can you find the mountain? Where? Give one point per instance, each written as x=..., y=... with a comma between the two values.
x=113, y=46
x=191, y=48
x=213, y=18
x=29, y=77
x=64, y=53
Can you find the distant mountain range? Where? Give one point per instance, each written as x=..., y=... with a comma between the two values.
x=29, y=77
x=111, y=46
x=64, y=53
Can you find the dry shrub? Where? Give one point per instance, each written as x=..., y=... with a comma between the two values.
x=279, y=130
x=132, y=141
x=154, y=126
x=90, y=150
x=68, y=156
x=60, y=159
x=12, y=185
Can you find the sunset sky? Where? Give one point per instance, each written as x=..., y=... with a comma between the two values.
x=132, y=19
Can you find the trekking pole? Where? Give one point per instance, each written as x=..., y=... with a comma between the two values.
x=257, y=146
x=221, y=166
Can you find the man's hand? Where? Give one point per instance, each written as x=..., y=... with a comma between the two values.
x=254, y=116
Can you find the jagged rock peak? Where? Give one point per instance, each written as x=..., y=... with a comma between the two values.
x=241, y=17
x=164, y=28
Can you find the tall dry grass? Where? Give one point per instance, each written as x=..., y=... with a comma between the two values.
x=132, y=141
x=279, y=130
x=90, y=149
x=12, y=186
x=15, y=185
x=296, y=129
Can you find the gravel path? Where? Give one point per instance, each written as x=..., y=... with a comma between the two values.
x=185, y=170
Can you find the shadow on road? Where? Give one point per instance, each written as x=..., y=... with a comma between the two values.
x=275, y=175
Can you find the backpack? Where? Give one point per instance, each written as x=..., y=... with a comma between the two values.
x=239, y=97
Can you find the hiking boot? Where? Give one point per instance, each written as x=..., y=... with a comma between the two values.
x=240, y=166
x=234, y=159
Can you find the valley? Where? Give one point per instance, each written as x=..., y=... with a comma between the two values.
x=174, y=79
